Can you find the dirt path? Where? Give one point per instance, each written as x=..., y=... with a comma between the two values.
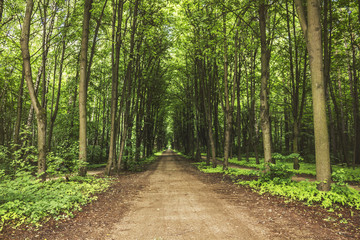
x=173, y=200
x=177, y=205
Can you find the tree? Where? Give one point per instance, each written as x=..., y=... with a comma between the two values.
x=83, y=89
x=311, y=28
x=40, y=111
x=1, y=9
x=117, y=39
x=265, y=71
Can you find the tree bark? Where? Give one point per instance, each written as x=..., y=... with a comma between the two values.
x=227, y=112
x=19, y=110
x=1, y=9
x=312, y=31
x=39, y=110
x=127, y=87
x=114, y=83
x=83, y=90
x=264, y=107
x=355, y=97
x=54, y=113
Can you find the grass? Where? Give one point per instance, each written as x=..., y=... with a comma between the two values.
x=351, y=174
x=27, y=200
x=95, y=166
x=279, y=185
x=231, y=171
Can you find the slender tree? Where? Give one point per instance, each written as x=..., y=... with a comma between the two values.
x=265, y=71
x=83, y=89
x=39, y=110
x=311, y=28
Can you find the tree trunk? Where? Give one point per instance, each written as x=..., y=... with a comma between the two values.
x=355, y=97
x=114, y=89
x=19, y=110
x=227, y=112
x=127, y=87
x=40, y=112
x=83, y=89
x=312, y=31
x=264, y=107
x=54, y=114
x=93, y=47
x=1, y=9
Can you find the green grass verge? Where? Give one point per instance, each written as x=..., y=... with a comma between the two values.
x=307, y=192
x=231, y=171
x=350, y=174
x=304, y=191
x=27, y=200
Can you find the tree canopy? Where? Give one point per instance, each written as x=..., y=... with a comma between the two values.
x=113, y=81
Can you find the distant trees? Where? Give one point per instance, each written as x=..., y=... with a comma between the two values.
x=222, y=78
x=215, y=54
x=50, y=43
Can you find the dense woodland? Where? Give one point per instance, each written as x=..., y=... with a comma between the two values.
x=112, y=81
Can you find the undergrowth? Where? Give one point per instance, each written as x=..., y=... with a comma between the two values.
x=350, y=174
x=26, y=200
x=138, y=166
x=278, y=182
x=307, y=192
x=231, y=171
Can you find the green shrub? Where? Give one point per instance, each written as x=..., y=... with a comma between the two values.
x=278, y=173
x=290, y=157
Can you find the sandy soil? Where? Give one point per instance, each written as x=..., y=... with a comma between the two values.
x=173, y=200
x=177, y=205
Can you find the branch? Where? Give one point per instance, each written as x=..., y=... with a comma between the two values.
x=302, y=17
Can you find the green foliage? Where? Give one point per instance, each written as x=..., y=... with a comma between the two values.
x=307, y=192
x=142, y=163
x=278, y=182
x=56, y=165
x=69, y=152
x=282, y=158
x=277, y=173
x=27, y=200
x=95, y=166
x=24, y=159
x=339, y=177
x=349, y=174
x=251, y=163
x=231, y=171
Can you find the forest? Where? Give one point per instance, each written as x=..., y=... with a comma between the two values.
x=271, y=85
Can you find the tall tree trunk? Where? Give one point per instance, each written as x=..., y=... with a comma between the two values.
x=19, y=110
x=264, y=107
x=229, y=106
x=1, y=9
x=83, y=89
x=54, y=114
x=312, y=31
x=127, y=86
x=227, y=112
x=114, y=89
x=355, y=97
x=39, y=110
x=93, y=47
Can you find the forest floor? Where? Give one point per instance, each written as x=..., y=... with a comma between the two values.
x=173, y=200
x=297, y=177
